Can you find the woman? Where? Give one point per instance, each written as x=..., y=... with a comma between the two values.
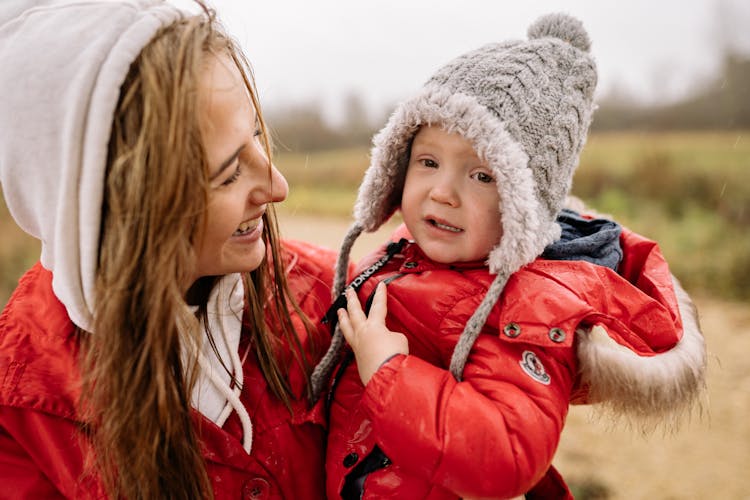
x=156, y=351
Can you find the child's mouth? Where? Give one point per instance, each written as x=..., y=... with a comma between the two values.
x=446, y=227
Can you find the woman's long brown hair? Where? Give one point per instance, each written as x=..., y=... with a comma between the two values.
x=136, y=385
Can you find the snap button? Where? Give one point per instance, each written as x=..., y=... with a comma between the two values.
x=557, y=335
x=256, y=488
x=410, y=265
x=512, y=330
x=350, y=459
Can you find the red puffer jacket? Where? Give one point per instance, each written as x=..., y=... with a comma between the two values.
x=494, y=434
x=40, y=447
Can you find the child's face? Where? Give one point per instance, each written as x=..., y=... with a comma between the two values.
x=450, y=202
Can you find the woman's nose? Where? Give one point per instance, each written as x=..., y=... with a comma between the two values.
x=267, y=183
x=279, y=188
x=270, y=186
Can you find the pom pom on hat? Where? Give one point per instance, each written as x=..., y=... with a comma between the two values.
x=562, y=26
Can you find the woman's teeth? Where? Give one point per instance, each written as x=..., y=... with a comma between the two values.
x=447, y=228
x=245, y=228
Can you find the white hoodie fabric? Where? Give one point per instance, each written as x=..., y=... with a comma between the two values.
x=62, y=63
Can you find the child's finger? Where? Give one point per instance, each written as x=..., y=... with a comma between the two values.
x=379, y=307
x=354, y=308
x=345, y=325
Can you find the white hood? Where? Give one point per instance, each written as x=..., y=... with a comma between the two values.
x=63, y=63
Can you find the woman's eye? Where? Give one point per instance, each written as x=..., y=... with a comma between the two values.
x=484, y=177
x=235, y=175
x=258, y=132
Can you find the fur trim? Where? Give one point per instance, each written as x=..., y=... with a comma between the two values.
x=526, y=228
x=650, y=389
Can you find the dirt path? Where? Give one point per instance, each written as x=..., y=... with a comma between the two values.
x=708, y=457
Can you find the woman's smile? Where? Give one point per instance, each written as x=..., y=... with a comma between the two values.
x=249, y=228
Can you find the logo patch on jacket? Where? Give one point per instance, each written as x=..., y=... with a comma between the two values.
x=533, y=367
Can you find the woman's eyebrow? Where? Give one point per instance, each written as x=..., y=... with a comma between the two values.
x=225, y=164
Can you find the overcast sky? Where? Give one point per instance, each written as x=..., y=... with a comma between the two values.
x=385, y=49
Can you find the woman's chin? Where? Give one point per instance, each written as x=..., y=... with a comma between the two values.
x=248, y=260
x=238, y=257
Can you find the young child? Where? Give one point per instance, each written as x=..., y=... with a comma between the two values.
x=471, y=398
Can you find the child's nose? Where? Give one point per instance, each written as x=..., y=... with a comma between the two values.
x=444, y=190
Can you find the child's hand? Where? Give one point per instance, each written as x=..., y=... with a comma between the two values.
x=372, y=342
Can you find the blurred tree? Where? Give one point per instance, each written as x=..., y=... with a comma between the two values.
x=722, y=104
x=356, y=122
x=301, y=127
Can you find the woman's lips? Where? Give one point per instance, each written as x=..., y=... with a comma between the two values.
x=251, y=228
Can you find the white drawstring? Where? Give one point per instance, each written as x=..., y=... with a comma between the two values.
x=213, y=395
x=233, y=402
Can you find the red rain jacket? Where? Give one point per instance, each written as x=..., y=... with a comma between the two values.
x=40, y=449
x=494, y=434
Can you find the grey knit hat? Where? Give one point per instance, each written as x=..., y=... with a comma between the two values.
x=526, y=107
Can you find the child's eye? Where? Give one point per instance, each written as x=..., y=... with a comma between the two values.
x=429, y=163
x=235, y=175
x=484, y=177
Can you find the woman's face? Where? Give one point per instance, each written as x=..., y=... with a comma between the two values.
x=242, y=179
